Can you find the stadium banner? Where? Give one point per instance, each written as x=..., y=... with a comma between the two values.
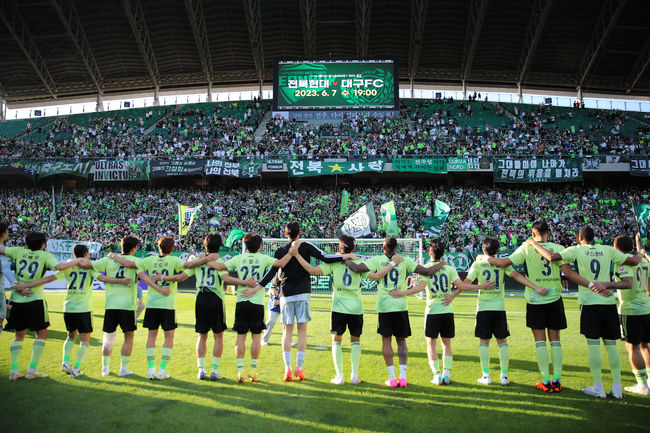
x=52, y=168
x=536, y=170
x=275, y=164
x=301, y=168
x=389, y=219
x=642, y=213
x=176, y=167
x=423, y=165
x=62, y=248
x=462, y=164
x=639, y=166
x=345, y=203
x=121, y=170
x=240, y=169
x=25, y=168
x=360, y=223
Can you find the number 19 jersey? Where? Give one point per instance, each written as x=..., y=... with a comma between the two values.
x=394, y=279
x=492, y=299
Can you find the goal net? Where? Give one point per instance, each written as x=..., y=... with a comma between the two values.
x=364, y=248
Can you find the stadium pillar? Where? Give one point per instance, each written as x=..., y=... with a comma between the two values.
x=3, y=107
x=209, y=92
x=519, y=94
x=579, y=95
x=100, y=103
x=156, y=99
x=261, y=82
x=412, y=89
x=464, y=90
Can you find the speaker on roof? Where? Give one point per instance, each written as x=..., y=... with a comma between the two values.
x=127, y=104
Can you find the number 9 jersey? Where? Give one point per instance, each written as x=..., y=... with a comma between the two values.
x=30, y=266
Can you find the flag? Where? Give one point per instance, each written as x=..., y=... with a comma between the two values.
x=235, y=235
x=360, y=223
x=642, y=213
x=186, y=217
x=389, y=219
x=214, y=221
x=434, y=224
x=345, y=203
x=591, y=163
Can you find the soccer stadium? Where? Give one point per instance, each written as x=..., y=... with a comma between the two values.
x=378, y=215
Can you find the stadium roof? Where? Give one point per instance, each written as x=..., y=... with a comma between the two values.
x=56, y=48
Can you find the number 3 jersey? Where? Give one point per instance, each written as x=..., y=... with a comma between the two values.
x=540, y=271
x=439, y=286
x=119, y=296
x=247, y=266
x=594, y=263
x=30, y=266
x=394, y=279
x=492, y=299
x=165, y=265
x=79, y=294
x=346, y=287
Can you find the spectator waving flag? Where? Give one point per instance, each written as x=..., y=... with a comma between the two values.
x=434, y=224
x=234, y=236
x=642, y=213
x=361, y=223
x=389, y=218
x=345, y=203
x=186, y=217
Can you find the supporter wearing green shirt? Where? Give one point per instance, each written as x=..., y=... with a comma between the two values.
x=598, y=315
x=390, y=273
x=491, y=317
x=29, y=308
x=634, y=309
x=544, y=311
x=439, y=313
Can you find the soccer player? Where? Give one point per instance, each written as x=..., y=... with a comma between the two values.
x=161, y=303
x=249, y=310
x=393, y=312
x=347, y=305
x=77, y=306
x=598, y=315
x=544, y=313
x=634, y=309
x=439, y=312
x=29, y=309
x=209, y=309
x=120, y=304
x=491, y=319
x=295, y=290
x=5, y=272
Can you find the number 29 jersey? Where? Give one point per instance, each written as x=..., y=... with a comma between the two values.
x=30, y=266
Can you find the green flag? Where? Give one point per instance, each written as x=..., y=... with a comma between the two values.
x=234, y=236
x=642, y=213
x=389, y=219
x=434, y=224
x=345, y=203
x=360, y=223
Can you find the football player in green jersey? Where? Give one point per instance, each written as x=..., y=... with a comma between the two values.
x=5, y=272
x=77, y=306
x=439, y=313
x=598, y=315
x=544, y=313
x=634, y=309
x=393, y=312
x=210, y=309
x=491, y=317
x=29, y=309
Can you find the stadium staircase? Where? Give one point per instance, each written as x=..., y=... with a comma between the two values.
x=175, y=111
x=261, y=129
x=505, y=110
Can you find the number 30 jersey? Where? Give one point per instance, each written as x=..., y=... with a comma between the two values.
x=439, y=286
x=346, y=287
x=394, y=279
x=30, y=266
x=492, y=299
x=594, y=263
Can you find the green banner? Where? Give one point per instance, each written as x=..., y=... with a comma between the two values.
x=440, y=213
x=536, y=170
x=301, y=168
x=345, y=203
x=23, y=167
x=459, y=261
x=121, y=170
x=389, y=219
x=424, y=165
x=462, y=164
x=53, y=168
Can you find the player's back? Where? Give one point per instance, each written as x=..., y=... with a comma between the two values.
x=30, y=266
x=634, y=301
x=540, y=271
x=491, y=299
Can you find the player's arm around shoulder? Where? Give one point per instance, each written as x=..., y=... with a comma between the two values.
x=525, y=281
x=397, y=293
x=396, y=260
x=548, y=255
x=427, y=271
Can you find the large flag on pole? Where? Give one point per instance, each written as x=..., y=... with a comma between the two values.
x=642, y=213
x=234, y=236
x=186, y=217
x=389, y=218
x=345, y=203
x=360, y=223
x=434, y=224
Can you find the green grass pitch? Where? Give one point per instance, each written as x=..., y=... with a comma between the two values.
x=94, y=403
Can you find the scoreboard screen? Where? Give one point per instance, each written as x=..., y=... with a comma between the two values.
x=335, y=85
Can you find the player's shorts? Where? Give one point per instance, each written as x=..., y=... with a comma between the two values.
x=209, y=313
x=394, y=324
x=294, y=309
x=489, y=323
x=546, y=316
x=81, y=322
x=28, y=315
x=636, y=328
x=440, y=324
x=159, y=317
x=340, y=321
x=600, y=321
x=249, y=317
x=124, y=318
